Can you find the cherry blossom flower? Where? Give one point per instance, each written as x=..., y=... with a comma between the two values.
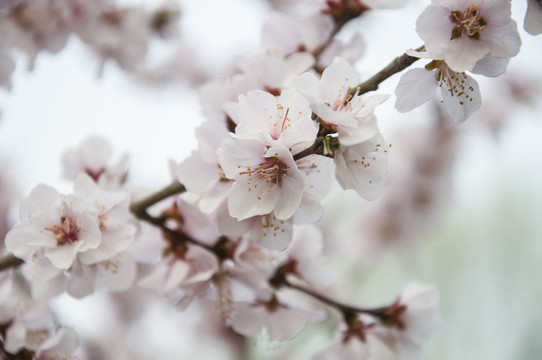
x=306, y=259
x=351, y=117
x=362, y=167
x=213, y=95
x=274, y=71
x=288, y=35
x=460, y=93
x=282, y=322
x=466, y=31
x=533, y=17
x=184, y=274
x=282, y=120
x=118, y=34
x=413, y=319
x=201, y=172
x=92, y=157
x=60, y=345
x=266, y=179
x=62, y=236
x=54, y=226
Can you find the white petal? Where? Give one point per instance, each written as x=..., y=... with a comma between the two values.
x=491, y=66
x=415, y=88
x=533, y=18
x=461, y=105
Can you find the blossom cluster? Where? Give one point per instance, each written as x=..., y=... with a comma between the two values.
x=276, y=134
x=114, y=33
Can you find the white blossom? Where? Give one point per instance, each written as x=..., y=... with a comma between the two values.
x=330, y=99
x=362, y=167
x=533, y=17
x=466, y=31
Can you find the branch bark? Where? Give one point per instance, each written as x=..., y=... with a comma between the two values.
x=398, y=64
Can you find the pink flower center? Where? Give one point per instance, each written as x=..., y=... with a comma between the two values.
x=467, y=23
x=268, y=172
x=67, y=231
x=279, y=127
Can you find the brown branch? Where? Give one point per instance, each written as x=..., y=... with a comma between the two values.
x=316, y=148
x=9, y=261
x=397, y=65
x=139, y=208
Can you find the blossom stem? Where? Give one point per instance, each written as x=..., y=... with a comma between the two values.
x=316, y=148
x=397, y=65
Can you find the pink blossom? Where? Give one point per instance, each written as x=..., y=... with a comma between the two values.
x=362, y=167
x=330, y=99
x=266, y=179
x=465, y=31
x=533, y=17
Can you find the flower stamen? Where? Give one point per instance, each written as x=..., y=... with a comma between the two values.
x=468, y=23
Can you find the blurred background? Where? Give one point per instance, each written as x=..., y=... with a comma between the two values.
x=478, y=240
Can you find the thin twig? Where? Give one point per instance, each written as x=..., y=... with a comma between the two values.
x=141, y=206
x=9, y=261
x=397, y=65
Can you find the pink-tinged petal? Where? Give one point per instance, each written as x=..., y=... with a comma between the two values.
x=116, y=274
x=286, y=323
x=433, y=26
x=61, y=256
x=491, y=66
x=212, y=199
x=235, y=153
x=496, y=12
x=15, y=338
x=229, y=226
x=363, y=167
x=203, y=264
x=210, y=135
x=114, y=240
x=415, y=88
x=340, y=118
x=366, y=128
x=533, y=18
x=43, y=199
x=504, y=40
x=463, y=54
x=271, y=233
x=279, y=32
x=249, y=319
x=308, y=85
x=40, y=269
x=247, y=199
x=292, y=184
x=337, y=81
x=198, y=175
x=177, y=273
x=461, y=104
x=58, y=346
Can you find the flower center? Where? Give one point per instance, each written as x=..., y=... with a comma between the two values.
x=67, y=231
x=283, y=123
x=468, y=23
x=270, y=171
x=457, y=83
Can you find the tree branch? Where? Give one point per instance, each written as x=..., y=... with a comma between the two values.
x=9, y=261
x=139, y=208
x=397, y=65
